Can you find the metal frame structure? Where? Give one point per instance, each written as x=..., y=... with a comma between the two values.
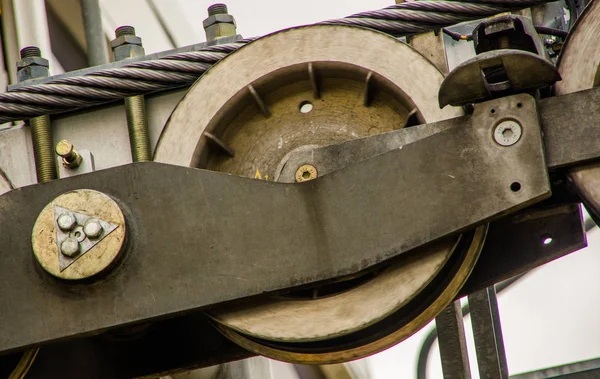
x=512, y=191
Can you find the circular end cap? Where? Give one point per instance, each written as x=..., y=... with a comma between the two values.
x=101, y=227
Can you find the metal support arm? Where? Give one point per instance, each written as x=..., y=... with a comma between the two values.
x=197, y=238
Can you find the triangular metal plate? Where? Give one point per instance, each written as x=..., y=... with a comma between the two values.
x=85, y=244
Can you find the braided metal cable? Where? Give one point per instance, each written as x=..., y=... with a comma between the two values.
x=182, y=69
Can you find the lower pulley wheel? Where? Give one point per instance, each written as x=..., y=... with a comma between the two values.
x=579, y=67
x=298, y=89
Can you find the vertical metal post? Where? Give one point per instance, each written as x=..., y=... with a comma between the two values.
x=487, y=332
x=452, y=342
x=94, y=35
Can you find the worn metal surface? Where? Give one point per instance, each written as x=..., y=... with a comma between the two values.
x=579, y=62
x=487, y=333
x=467, y=83
x=570, y=124
x=299, y=104
x=284, y=83
x=453, y=344
x=167, y=347
x=92, y=254
x=503, y=257
x=589, y=369
x=298, y=241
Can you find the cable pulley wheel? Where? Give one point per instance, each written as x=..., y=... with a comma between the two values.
x=579, y=67
x=298, y=89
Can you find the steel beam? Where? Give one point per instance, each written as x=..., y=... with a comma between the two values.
x=452, y=342
x=222, y=237
x=487, y=333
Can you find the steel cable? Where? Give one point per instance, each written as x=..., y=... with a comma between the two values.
x=182, y=69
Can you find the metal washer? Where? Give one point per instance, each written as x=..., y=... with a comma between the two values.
x=99, y=257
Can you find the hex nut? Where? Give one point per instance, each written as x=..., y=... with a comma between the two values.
x=33, y=61
x=127, y=51
x=69, y=247
x=32, y=72
x=66, y=222
x=218, y=18
x=125, y=40
x=92, y=228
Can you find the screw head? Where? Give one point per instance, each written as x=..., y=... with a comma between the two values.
x=69, y=247
x=66, y=221
x=305, y=173
x=64, y=148
x=508, y=132
x=92, y=228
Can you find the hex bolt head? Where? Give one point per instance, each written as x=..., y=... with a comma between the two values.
x=69, y=247
x=66, y=222
x=508, y=132
x=92, y=228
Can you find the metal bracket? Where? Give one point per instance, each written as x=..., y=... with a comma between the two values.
x=199, y=238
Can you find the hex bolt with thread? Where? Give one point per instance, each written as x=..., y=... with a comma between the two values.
x=41, y=133
x=70, y=156
x=219, y=23
x=135, y=108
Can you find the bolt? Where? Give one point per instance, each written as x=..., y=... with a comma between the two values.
x=125, y=30
x=128, y=45
x=217, y=9
x=69, y=247
x=305, y=173
x=219, y=23
x=92, y=228
x=66, y=221
x=33, y=66
x=70, y=156
x=508, y=132
x=30, y=51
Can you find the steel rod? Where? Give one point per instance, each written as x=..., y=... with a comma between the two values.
x=487, y=332
x=452, y=342
x=97, y=50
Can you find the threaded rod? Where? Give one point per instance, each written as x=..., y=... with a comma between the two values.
x=30, y=51
x=125, y=30
x=217, y=9
x=43, y=148
x=137, y=123
x=504, y=42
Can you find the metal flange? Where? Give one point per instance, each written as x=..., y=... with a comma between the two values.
x=79, y=234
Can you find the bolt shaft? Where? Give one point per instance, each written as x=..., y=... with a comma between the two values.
x=43, y=151
x=125, y=30
x=137, y=123
x=504, y=42
x=41, y=135
x=30, y=51
x=217, y=9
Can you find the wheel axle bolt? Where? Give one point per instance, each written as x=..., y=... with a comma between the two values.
x=306, y=172
x=92, y=228
x=508, y=132
x=66, y=222
x=69, y=247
